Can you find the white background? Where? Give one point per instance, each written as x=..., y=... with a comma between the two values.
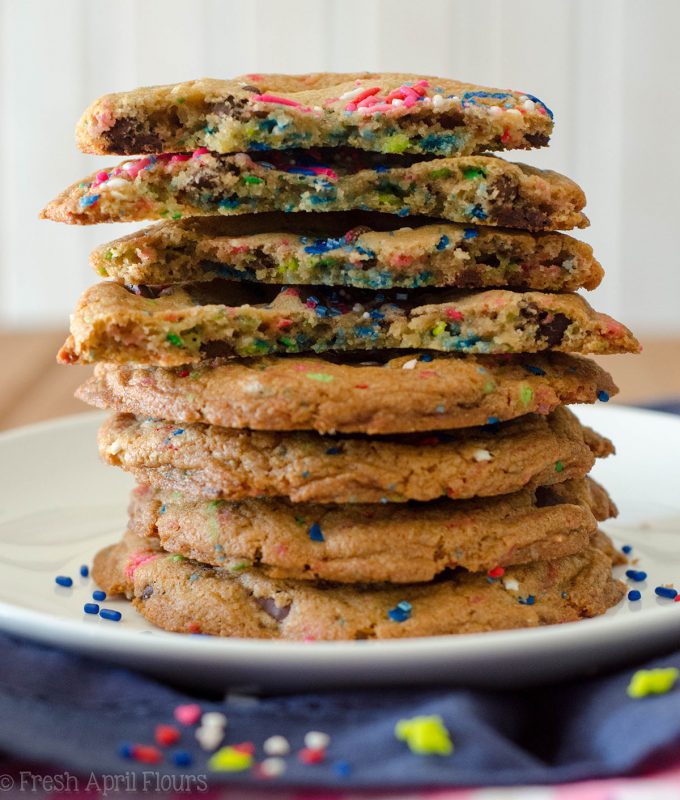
x=610, y=70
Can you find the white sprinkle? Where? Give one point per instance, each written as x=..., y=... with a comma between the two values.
x=511, y=584
x=397, y=102
x=437, y=101
x=114, y=447
x=214, y=719
x=352, y=93
x=317, y=740
x=115, y=183
x=515, y=112
x=276, y=746
x=357, y=307
x=272, y=767
x=528, y=105
x=366, y=315
x=482, y=455
x=209, y=738
x=495, y=111
x=522, y=98
x=411, y=364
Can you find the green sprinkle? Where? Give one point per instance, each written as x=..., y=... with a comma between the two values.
x=525, y=394
x=397, y=143
x=252, y=179
x=239, y=566
x=439, y=328
x=489, y=386
x=445, y=172
x=176, y=215
x=559, y=466
x=103, y=272
x=176, y=558
x=322, y=377
x=108, y=255
x=473, y=172
x=300, y=520
x=286, y=341
x=389, y=199
x=173, y=338
x=181, y=100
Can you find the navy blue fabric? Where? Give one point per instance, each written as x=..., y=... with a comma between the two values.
x=73, y=713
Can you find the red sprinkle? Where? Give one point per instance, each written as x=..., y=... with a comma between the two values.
x=309, y=756
x=496, y=572
x=200, y=152
x=451, y=313
x=506, y=138
x=166, y=735
x=183, y=373
x=365, y=386
x=282, y=324
x=245, y=747
x=146, y=753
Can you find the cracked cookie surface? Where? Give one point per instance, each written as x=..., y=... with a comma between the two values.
x=329, y=394
x=369, y=543
x=181, y=595
x=218, y=463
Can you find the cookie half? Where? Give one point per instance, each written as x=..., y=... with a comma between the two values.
x=219, y=463
x=469, y=189
x=184, y=596
x=187, y=323
x=362, y=250
x=336, y=393
x=369, y=543
x=384, y=111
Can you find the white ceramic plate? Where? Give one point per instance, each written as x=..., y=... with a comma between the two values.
x=60, y=505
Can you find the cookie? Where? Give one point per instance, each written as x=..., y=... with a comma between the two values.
x=219, y=463
x=469, y=189
x=183, y=596
x=373, y=543
x=187, y=323
x=387, y=112
x=373, y=251
x=335, y=393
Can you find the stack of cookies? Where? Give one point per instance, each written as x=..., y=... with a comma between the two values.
x=339, y=365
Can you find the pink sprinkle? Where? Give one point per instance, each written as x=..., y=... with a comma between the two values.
x=292, y=291
x=451, y=313
x=283, y=324
x=327, y=171
x=188, y=714
x=365, y=94
x=409, y=101
x=100, y=177
x=200, y=152
x=371, y=100
x=273, y=98
x=133, y=168
x=135, y=561
x=179, y=157
x=351, y=107
x=117, y=171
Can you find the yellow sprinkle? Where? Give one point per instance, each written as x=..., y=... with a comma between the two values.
x=425, y=735
x=526, y=393
x=227, y=759
x=652, y=681
x=440, y=327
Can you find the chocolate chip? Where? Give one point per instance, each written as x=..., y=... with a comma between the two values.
x=217, y=349
x=551, y=327
x=450, y=120
x=128, y=137
x=247, y=87
x=268, y=605
x=264, y=259
x=537, y=139
x=148, y=591
x=230, y=106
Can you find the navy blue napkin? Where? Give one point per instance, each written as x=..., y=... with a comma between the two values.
x=76, y=714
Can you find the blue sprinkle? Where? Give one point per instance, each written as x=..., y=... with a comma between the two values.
x=403, y=212
x=529, y=600
x=626, y=549
x=440, y=409
x=472, y=96
x=88, y=200
x=342, y=769
x=333, y=451
x=401, y=612
x=492, y=420
x=305, y=473
x=534, y=370
x=315, y=532
x=443, y=243
x=541, y=103
x=98, y=595
x=109, y=613
x=633, y=594
x=178, y=432
x=229, y=202
x=636, y=575
x=665, y=591
x=426, y=357
x=125, y=750
x=91, y=608
x=375, y=314
x=182, y=759
x=470, y=233
x=163, y=509
x=381, y=169
x=324, y=245
x=84, y=571
x=603, y=396
x=478, y=213
x=63, y=580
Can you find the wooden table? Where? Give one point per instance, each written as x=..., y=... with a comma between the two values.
x=35, y=388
